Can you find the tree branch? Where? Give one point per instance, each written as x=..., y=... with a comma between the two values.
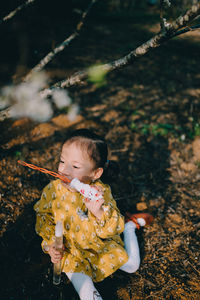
x=186, y=29
x=61, y=46
x=15, y=11
x=182, y=21
x=163, y=23
x=4, y=114
x=171, y=31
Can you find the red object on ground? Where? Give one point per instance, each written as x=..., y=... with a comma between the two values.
x=133, y=217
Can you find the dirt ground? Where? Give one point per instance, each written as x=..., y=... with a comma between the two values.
x=149, y=114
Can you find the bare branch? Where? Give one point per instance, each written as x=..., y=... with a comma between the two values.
x=162, y=25
x=186, y=29
x=61, y=46
x=182, y=21
x=168, y=3
x=78, y=77
x=154, y=42
x=4, y=114
x=15, y=11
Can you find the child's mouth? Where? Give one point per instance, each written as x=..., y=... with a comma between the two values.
x=68, y=179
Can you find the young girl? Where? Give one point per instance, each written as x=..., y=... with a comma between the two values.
x=93, y=247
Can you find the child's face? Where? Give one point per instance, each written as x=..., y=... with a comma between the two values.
x=75, y=163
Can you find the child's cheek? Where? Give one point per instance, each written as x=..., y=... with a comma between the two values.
x=62, y=169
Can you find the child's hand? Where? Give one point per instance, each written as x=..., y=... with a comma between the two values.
x=95, y=206
x=56, y=255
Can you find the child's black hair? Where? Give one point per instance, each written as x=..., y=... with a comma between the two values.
x=97, y=150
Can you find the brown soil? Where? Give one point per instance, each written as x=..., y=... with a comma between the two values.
x=159, y=165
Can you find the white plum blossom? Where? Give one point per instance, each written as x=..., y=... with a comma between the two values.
x=61, y=98
x=37, y=109
x=26, y=100
x=6, y=93
x=73, y=112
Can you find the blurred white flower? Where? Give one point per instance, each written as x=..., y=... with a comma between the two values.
x=38, y=81
x=26, y=100
x=61, y=98
x=73, y=112
x=183, y=137
x=37, y=109
x=6, y=96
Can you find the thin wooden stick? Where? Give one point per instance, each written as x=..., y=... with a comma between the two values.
x=15, y=11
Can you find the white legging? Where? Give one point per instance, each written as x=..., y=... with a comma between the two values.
x=132, y=249
x=83, y=284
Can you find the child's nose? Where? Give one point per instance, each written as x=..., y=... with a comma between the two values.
x=67, y=170
x=63, y=168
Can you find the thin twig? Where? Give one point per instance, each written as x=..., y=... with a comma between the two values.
x=15, y=11
x=62, y=45
x=119, y=150
x=194, y=268
x=124, y=197
x=162, y=23
x=4, y=114
x=182, y=21
x=186, y=29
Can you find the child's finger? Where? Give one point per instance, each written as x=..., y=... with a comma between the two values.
x=55, y=260
x=100, y=201
x=56, y=251
x=57, y=256
x=98, y=188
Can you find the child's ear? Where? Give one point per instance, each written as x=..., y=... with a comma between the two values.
x=97, y=173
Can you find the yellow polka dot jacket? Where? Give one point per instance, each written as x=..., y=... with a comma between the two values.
x=92, y=246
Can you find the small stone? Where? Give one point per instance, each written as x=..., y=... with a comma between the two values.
x=188, y=167
x=175, y=218
x=196, y=148
x=141, y=206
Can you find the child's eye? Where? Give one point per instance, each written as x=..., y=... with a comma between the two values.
x=61, y=161
x=75, y=167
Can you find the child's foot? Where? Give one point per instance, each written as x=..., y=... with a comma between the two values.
x=140, y=219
